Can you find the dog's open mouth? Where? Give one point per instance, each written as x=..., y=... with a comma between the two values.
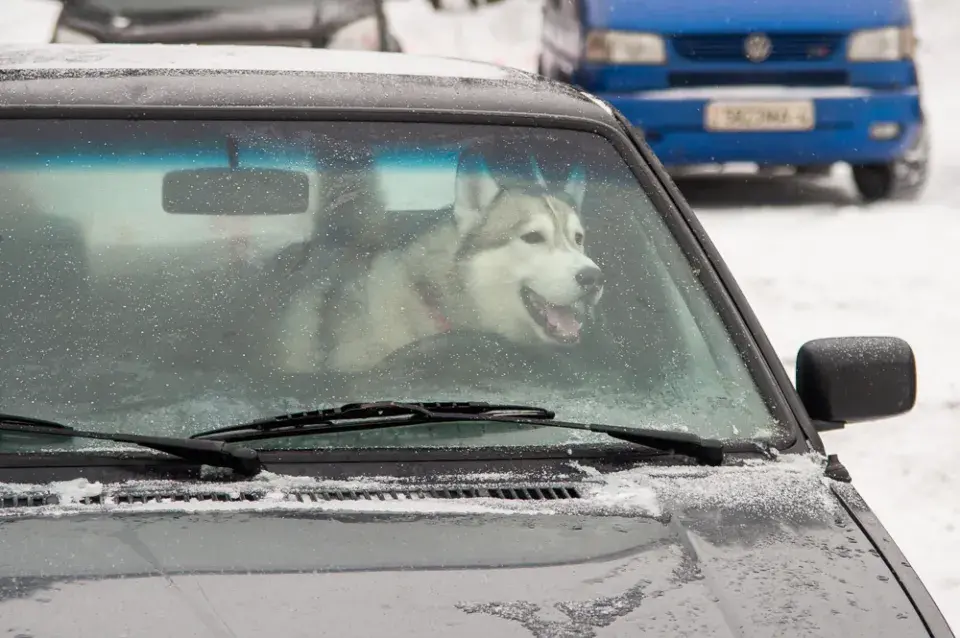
x=561, y=323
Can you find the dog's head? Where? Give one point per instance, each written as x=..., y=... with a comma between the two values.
x=523, y=259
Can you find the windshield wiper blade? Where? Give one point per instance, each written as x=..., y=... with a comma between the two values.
x=433, y=411
x=32, y=420
x=356, y=417
x=240, y=459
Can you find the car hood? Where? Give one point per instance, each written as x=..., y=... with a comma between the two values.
x=737, y=16
x=753, y=551
x=289, y=20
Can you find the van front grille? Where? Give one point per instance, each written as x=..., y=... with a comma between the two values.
x=786, y=47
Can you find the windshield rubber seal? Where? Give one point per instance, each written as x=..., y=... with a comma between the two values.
x=32, y=467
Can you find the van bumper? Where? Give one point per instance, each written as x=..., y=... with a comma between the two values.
x=672, y=121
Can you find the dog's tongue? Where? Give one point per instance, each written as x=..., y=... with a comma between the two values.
x=563, y=322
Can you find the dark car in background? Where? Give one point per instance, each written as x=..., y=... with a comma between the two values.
x=333, y=24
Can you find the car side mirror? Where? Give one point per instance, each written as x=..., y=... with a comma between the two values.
x=848, y=379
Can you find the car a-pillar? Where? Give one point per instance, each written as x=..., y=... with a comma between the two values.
x=902, y=179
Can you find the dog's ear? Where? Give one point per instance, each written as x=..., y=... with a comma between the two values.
x=475, y=190
x=576, y=186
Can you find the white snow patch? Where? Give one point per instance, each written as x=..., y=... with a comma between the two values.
x=504, y=33
x=792, y=484
x=70, y=492
x=586, y=469
x=29, y=21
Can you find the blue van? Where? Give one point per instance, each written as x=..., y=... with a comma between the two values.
x=803, y=85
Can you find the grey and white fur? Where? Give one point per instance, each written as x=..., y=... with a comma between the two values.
x=509, y=261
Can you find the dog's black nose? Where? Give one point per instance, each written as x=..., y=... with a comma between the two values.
x=590, y=277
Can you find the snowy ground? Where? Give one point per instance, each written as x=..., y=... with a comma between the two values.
x=814, y=264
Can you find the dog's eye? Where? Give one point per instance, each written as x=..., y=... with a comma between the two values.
x=533, y=237
x=578, y=238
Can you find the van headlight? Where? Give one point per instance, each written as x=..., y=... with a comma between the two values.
x=66, y=35
x=881, y=45
x=624, y=47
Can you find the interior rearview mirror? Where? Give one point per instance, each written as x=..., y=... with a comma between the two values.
x=848, y=379
x=236, y=191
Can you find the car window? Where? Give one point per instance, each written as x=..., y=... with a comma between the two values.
x=167, y=277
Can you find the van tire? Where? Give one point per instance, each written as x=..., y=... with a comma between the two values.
x=902, y=180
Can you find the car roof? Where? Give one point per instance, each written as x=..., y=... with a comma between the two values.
x=142, y=76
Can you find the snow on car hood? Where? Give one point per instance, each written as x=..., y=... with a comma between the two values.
x=764, y=549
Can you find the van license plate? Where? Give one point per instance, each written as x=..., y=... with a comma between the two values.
x=760, y=116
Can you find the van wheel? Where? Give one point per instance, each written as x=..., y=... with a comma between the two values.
x=901, y=180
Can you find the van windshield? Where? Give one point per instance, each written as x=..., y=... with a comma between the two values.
x=168, y=277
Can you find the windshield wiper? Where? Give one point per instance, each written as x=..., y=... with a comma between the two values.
x=242, y=460
x=354, y=417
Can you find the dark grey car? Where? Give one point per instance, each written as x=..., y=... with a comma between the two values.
x=159, y=476
x=336, y=24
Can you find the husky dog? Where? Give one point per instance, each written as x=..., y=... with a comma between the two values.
x=509, y=261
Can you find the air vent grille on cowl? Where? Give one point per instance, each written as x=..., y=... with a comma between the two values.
x=139, y=497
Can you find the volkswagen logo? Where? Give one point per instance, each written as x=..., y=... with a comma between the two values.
x=757, y=47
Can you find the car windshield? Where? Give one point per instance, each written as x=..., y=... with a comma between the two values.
x=168, y=277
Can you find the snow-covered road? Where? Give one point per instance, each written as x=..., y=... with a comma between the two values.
x=814, y=264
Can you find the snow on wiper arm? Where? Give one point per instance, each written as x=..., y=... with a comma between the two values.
x=355, y=417
x=243, y=460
